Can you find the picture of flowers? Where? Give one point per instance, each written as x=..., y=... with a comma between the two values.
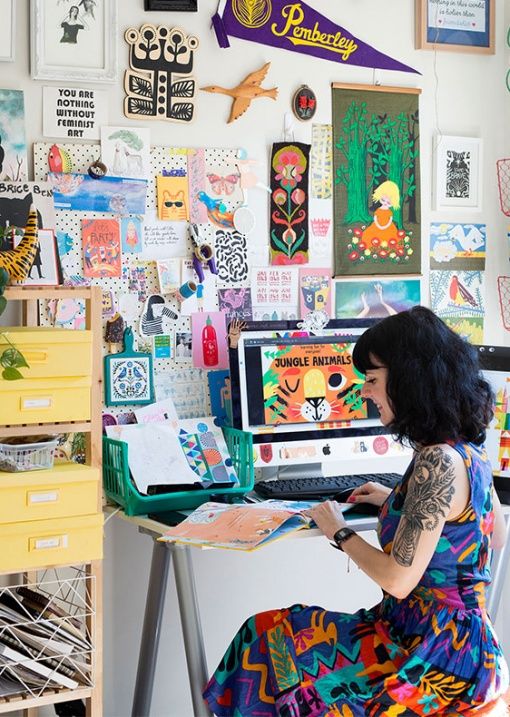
x=376, y=180
x=289, y=203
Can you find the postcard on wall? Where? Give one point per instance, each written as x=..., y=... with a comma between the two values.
x=14, y=166
x=321, y=232
x=15, y=201
x=162, y=240
x=131, y=230
x=163, y=346
x=209, y=346
x=375, y=299
x=173, y=199
x=169, y=275
x=458, y=298
x=275, y=313
x=220, y=397
x=206, y=296
x=183, y=347
x=235, y=303
x=126, y=151
x=273, y=286
x=79, y=192
x=44, y=270
x=158, y=412
x=74, y=112
x=314, y=291
x=223, y=181
x=457, y=246
x=101, y=248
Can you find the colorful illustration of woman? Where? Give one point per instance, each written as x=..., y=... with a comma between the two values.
x=383, y=228
x=131, y=235
x=71, y=26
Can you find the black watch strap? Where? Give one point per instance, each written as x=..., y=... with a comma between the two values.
x=341, y=536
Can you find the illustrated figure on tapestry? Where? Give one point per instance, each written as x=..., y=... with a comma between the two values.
x=376, y=182
x=159, y=84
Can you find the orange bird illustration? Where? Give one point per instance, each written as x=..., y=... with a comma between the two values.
x=245, y=91
x=459, y=294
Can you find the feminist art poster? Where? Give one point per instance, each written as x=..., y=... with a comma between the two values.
x=376, y=185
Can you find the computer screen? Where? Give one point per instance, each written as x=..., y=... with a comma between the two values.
x=495, y=362
x=299, y=394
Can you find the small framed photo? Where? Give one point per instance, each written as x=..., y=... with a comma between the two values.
x=8, y=15
x=456, y=25
x=458, y=175
x=45, y=267
x=183, y=353
x=174, y=5
x=73, y=40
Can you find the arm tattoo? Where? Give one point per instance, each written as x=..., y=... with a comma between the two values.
x=429, y=496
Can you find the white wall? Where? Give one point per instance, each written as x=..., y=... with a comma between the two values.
x=463, y=94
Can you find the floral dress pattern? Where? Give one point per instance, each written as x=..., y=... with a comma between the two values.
x=431, y=653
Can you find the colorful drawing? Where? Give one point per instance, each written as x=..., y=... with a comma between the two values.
x=458, y=298
x=173, y=199
x=377, y=299
x=220, y=396
x=457, y=246
x=314, y=291
x=217, y=212
x=101, y=248
x=235, y=303
x=289, y=203
x=169, y=275
x=13, y=147
x=376, y=193
x=321, y=162
x=307, y=383
x=274, y=286
x=126, y=151
x=16, y=199
x=159, y=84
x=209, y=340
x=131, y=231
x=128, y=375
x=79, y=192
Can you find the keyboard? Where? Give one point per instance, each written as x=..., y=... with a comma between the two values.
x=319, y=487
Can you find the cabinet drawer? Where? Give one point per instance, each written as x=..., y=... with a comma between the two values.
x=44, y=400
x=67, y=489
x=51, y=352
x=51, y=542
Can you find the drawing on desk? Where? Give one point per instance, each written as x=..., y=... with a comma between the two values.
x=239, y=526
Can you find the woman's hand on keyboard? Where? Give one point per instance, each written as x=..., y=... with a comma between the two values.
x=374, y=493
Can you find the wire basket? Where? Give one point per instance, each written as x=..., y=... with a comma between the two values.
x=16, y=457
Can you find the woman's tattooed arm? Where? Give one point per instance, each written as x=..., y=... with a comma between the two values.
x=429, y=497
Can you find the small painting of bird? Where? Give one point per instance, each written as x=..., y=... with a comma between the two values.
x=245, y=92
x=459, y=294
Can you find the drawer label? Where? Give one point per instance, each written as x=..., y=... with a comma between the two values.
x=44, y=402
x=57, y=541
x=43, y=497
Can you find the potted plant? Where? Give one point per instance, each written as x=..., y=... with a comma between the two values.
x=11, y=360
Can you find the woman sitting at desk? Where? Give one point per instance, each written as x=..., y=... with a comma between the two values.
x=428, y=648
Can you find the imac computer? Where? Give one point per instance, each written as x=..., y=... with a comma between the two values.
x=299, y=395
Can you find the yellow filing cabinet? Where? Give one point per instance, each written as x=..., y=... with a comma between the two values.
x=46, y=543
x=64, y=490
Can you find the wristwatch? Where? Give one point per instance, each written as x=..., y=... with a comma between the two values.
x=341, y=536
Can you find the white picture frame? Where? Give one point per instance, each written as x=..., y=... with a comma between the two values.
x=8, y=44
x=73, y=47
x=458, y=173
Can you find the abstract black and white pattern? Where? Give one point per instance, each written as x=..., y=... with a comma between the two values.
x=458, y=174
x=231, y=258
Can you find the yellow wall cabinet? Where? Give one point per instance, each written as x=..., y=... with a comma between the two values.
x=51, y=523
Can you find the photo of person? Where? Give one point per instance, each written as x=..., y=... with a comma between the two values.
x=183, y=346
x=71, y=25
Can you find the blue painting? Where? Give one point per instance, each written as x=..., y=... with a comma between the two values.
x=13, y=147
x=115, y=195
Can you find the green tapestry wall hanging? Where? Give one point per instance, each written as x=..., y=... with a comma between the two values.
x=376, y=189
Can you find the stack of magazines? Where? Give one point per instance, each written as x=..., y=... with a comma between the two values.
x=41, y=645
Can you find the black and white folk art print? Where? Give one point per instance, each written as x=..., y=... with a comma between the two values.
x=458, y=177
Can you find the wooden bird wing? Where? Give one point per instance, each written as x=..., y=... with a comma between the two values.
x=256, y=78
x=239, y=107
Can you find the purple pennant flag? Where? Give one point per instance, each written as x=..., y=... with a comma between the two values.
x=298, y=28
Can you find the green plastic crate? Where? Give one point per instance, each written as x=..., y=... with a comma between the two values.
x=119, y=487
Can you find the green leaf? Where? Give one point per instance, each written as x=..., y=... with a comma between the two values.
x=3, y=304
x=11, y=374
x=12, y=358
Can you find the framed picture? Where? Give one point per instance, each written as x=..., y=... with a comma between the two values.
x=456, y=25
x=175, y=5
x=44, y=270
x=458, y=176
x=8, y=15
x=74, y=41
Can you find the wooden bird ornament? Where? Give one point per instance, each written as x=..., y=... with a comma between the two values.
x=245, y=92
x=18, y=262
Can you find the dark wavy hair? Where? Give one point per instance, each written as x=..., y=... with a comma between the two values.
x=434, y=385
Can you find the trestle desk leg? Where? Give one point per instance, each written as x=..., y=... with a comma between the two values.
x=151, y=631
x=191, y=628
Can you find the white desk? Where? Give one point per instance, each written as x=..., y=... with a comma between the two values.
x=162, y=553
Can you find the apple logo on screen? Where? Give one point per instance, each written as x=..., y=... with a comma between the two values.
x=326, y=450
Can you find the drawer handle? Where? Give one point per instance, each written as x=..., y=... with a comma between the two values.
x=40, y=497
x=35, y=356
x=50, y=542
x=36, y=403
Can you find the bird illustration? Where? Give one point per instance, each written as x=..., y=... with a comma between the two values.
x=59, y=159
x=459, y=294
x=217, y=211
x=245, y=92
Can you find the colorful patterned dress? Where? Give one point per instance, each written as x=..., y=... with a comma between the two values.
x=431, y=653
